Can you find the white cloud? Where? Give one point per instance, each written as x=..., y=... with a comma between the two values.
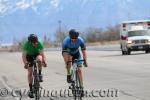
x=35, y=9
x=3, y=8
x=39, y=6
x=22, y=4
x=34, y=2
x=3, y=0
x=55, y=3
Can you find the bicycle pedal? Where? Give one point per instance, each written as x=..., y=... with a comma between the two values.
x=70, y=87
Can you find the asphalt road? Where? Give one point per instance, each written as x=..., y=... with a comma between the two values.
x=110, y=76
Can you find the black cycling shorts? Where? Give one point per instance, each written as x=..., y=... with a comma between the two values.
x=31, y=58
x=76, y=56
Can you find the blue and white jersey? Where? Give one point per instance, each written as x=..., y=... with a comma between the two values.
x=73, y=47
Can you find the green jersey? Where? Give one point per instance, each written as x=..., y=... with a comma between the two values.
x=30, y=50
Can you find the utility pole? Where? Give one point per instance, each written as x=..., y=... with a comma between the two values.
x=59, y=22
x=129, y=16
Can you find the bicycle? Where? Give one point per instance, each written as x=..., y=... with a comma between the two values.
x=76, y=82
x=36, y=82
x=35, y=78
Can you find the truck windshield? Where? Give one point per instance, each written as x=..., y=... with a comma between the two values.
x=139, y=33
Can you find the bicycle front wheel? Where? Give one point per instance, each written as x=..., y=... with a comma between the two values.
x=36, y=87
x=37, y=95
x=78, y=87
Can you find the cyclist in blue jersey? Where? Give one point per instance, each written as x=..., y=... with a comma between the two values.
x=70, y=51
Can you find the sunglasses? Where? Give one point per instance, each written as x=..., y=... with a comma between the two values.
x=73, y=38
x=34, y=42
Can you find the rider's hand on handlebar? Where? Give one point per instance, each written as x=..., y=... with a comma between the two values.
x=85, y=63
x=44, y=64
x=26, y=65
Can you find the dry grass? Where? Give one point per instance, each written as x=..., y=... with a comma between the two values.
x=102, y=43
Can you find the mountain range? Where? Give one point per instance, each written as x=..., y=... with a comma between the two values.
x=18, y=18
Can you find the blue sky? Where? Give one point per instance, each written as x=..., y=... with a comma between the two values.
x=18, y=18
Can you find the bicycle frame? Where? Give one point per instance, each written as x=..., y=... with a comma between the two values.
x=36, y=83
x=76, y=82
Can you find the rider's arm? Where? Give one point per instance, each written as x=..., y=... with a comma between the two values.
x=65, y=51
x=41, y=51
x=24, y=53
x=24, y=57
x=65, y=47
x=43, y=55
x=83, y=48
x=84, y=54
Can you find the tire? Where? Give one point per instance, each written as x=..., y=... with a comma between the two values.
x=73, y=89
x=129, y=52
x=147, y=51
x=37, y=95
x=36, y=86
x=78, y=87
x=74, y=92
x=123, y=52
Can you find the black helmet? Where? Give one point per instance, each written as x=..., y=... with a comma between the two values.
x=33, y=38
x=73, y=34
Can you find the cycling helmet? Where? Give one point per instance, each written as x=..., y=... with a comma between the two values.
x=33, y=38
x=73, y=34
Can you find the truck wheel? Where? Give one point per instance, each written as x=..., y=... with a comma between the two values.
x=129, y=52
x=123, y=52
x=147, y=51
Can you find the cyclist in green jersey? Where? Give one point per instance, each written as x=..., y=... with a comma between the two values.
x=33, y=49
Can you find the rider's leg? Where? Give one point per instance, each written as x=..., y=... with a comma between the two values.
x=30, y=82
x=67, y=58
x=30, y=60
x=79, y=71
x=30, y=77
x=39, y=59
x=80, y=74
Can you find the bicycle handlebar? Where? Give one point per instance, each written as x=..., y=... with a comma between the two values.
x=34, y=61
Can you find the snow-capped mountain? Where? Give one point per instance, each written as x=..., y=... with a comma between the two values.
x=21, y=17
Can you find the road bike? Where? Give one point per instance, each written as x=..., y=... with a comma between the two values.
x=75, y=86
x=36, y=82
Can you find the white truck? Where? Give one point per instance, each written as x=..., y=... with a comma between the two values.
x=135, y=36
